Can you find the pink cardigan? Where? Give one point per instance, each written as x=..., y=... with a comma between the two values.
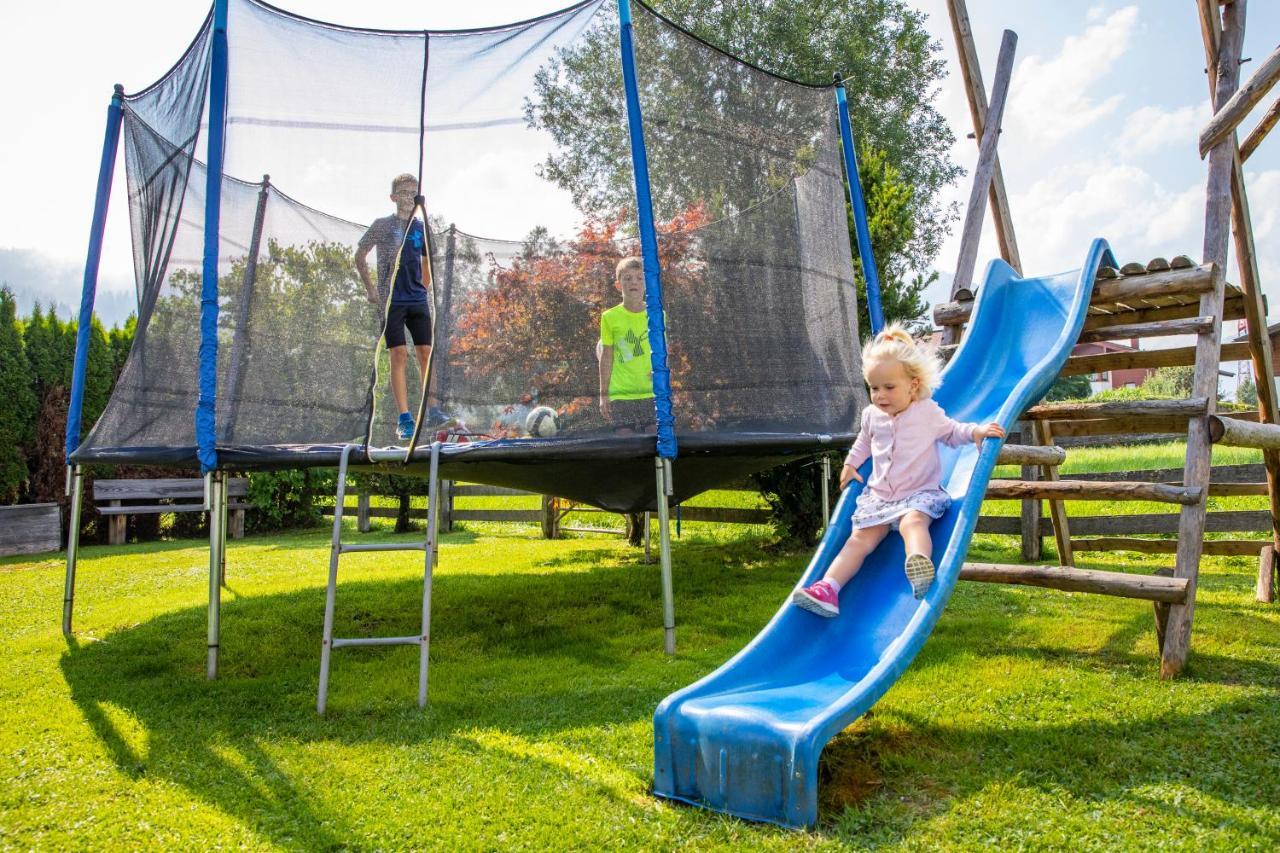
x=903, y=448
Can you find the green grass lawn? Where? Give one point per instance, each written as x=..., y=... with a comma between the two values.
x=1032, y=718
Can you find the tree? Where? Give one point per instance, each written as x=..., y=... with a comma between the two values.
x=1069, y=388
x=18, y=411
x=724, y=134
x=891, y=222
x=45, y=337
x=1170, y=382
x=1247, y=392
x=530, y=332
x=121, y=341
x=99, y=374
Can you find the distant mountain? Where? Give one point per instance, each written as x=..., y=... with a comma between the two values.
x=35, y=277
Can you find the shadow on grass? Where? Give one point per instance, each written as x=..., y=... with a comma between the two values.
x=528, y=654
x=533, y=655
x=922, y=766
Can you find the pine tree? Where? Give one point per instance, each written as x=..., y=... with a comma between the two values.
x=121, y=340
x=99, y=374
x=17, y=415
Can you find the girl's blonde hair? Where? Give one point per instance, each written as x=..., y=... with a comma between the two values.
x=919, y=361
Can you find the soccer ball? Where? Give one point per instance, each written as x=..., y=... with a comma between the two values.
x=541, y=422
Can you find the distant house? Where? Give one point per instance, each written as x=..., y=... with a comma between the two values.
x=1108, y=379
x=1130, y=378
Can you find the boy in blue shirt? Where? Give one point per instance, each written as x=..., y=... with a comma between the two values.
x=401, y=236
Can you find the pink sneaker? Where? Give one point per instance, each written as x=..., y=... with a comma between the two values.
x=820, y=598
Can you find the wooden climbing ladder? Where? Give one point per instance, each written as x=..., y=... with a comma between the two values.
x=1162, y=298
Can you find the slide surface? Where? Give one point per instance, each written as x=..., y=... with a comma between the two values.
x=746, y=739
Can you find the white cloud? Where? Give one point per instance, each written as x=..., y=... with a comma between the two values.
x=1051, y=97
x=1151, y=129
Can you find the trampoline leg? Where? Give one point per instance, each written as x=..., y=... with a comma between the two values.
x=217, y=497
x=76, y=488
x=826, y=491
x=335, y=549
x=662, y=469
x=433, y=542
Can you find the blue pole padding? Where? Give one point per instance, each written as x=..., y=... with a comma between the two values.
x=106, y=171
x=648, y=245
x=206, y=407
x=869, y=273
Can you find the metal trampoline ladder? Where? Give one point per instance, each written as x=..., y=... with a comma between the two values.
x=429, y=547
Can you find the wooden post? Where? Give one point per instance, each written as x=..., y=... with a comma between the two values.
x=1228, y=117
x=976, y=93
x=362, y=512
x=1161, y=614
x=1266, y=589
x=1255, y=309
x=1217, y=233
x=550, y=517
x=237, y=524
x=1032, y=540
x=1057, y=509
x=982, y=176
x=117, y=526
x=1260, y=132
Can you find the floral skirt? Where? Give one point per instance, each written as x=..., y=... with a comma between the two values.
x=873, y=511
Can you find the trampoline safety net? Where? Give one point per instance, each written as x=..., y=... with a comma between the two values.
x=518, y=133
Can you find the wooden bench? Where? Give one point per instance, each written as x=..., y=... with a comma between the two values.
x=187, y=495
x=30, y=529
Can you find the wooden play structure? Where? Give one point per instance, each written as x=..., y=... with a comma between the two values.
x=1161, y=298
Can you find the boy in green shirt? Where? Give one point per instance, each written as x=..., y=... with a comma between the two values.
x=626, y=373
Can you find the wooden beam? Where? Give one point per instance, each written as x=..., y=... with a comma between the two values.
x=1204, y=383
x=1122, y=584
x=1092, y=490
x=1171, y=357
x=1237, y=433
x=724, y=515
x=1118, y=408
x=1230, y=521
x=1265, y=590
x=1229, y=116
x=1218, y=474
x=976, y=94
x=1163, y=329
x=1246, y=255
x=1032, y=543
x=1260, y=132
x=1212, y=547
x=1152, y=285
x=1134, y=426
x=971, y=234
x=958, y=313
x=1057, y=509
x=1026, y=454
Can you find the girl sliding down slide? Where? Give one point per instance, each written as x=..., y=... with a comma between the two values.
x=899, y=432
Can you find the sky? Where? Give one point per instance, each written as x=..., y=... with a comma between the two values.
x=1099, y=134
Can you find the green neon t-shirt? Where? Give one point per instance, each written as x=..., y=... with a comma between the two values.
x=628, y=333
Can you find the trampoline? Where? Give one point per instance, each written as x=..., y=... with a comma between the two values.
x=578, y=138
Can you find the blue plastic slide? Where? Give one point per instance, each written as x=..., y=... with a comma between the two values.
x=746, y=739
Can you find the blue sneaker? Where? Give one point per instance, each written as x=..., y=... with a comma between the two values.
x=404, y=429
x=438, y=418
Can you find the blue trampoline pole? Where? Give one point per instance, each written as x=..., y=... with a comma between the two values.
x=869, y=273
x=648, y=244
x=106, y=170
x=206, y=407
